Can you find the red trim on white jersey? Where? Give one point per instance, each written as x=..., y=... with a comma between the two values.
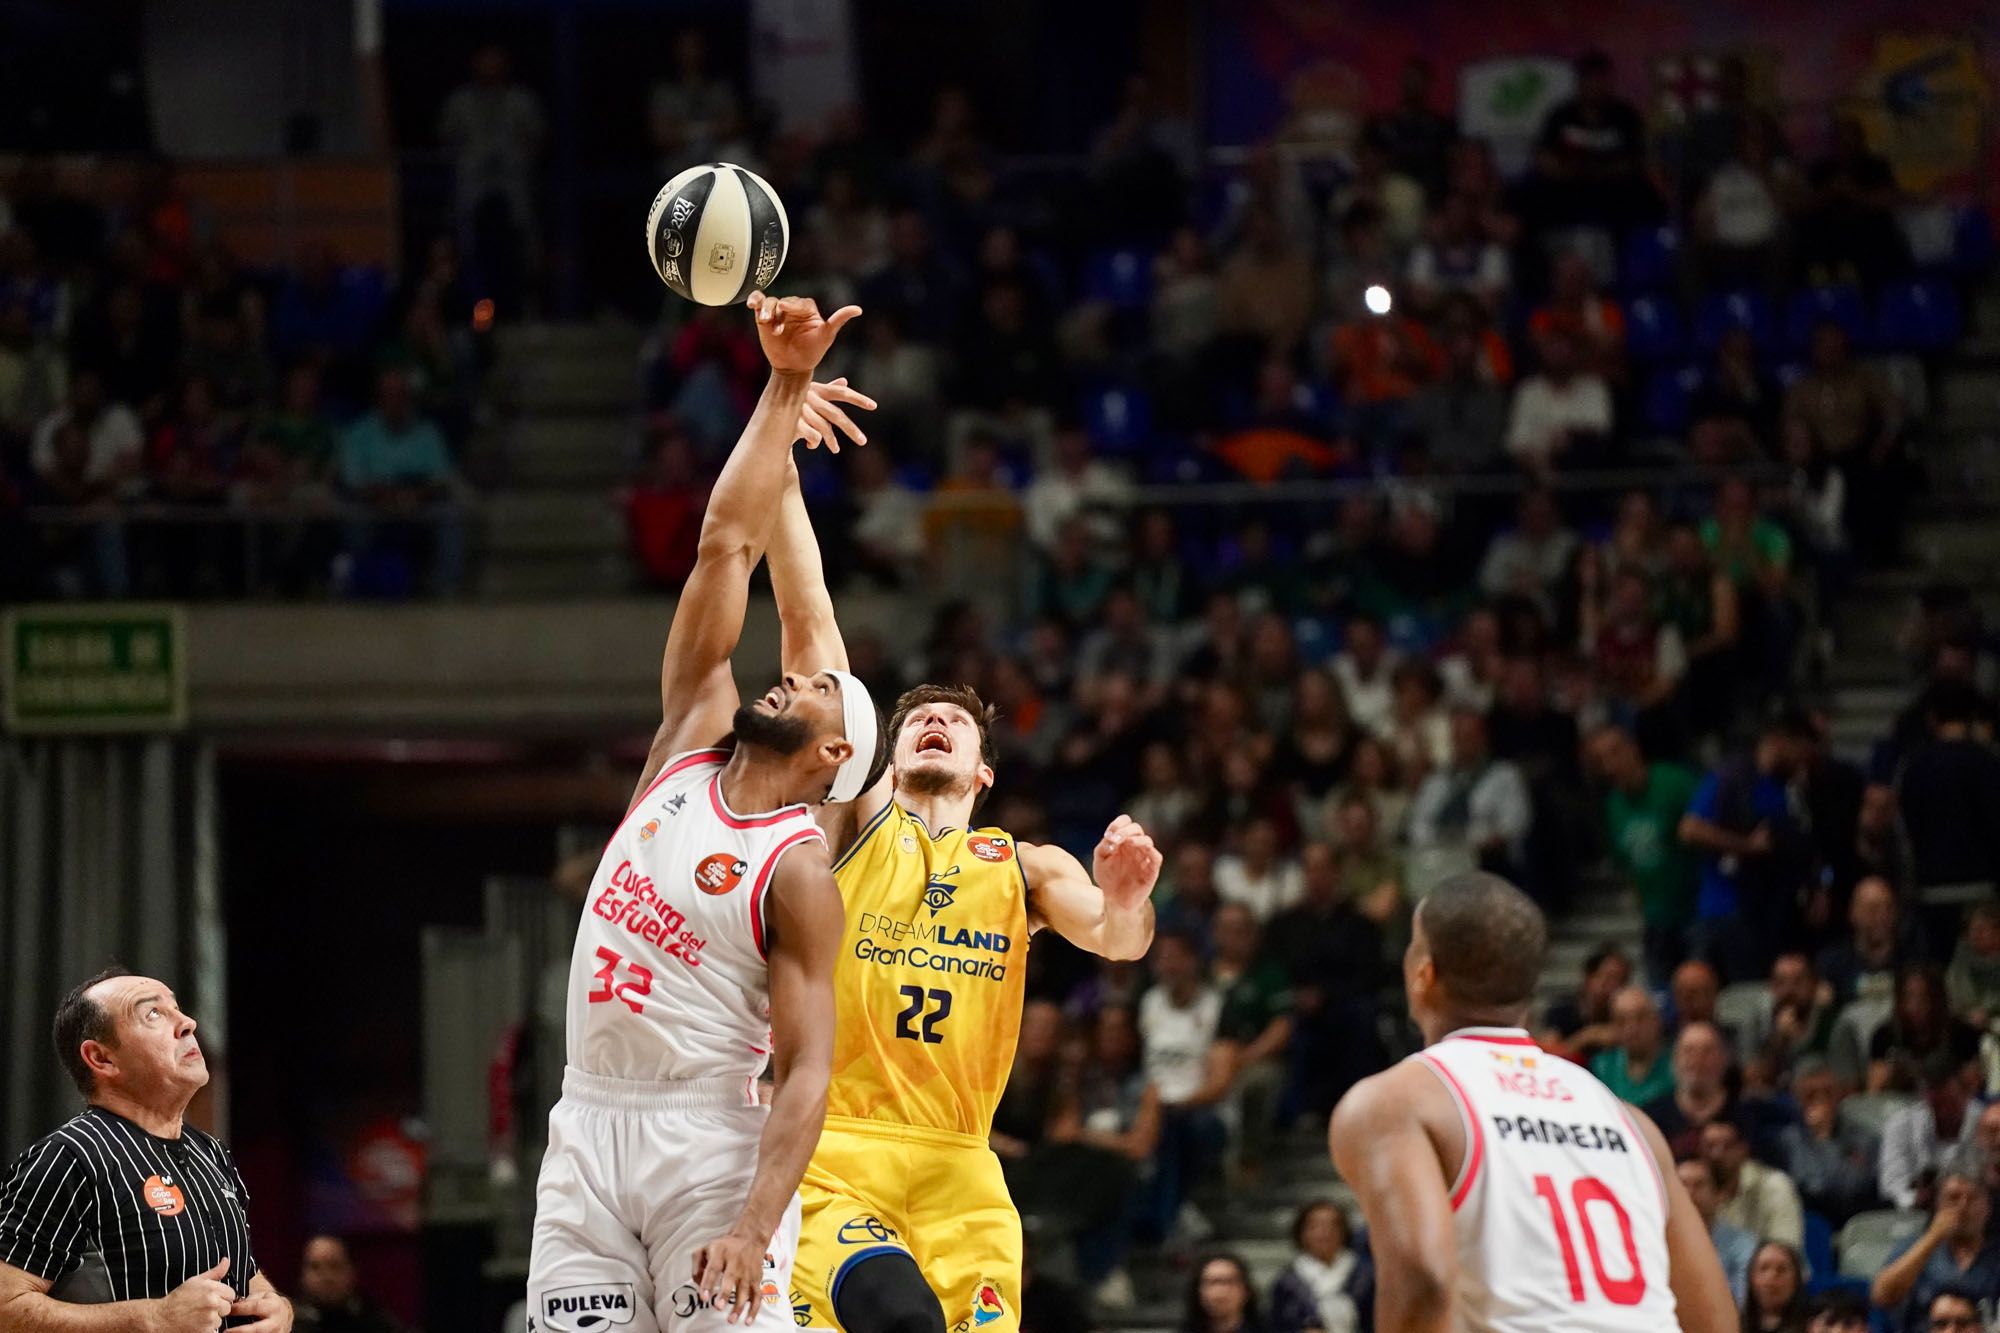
x=1494, y=1038
x=764, y=878
x=1475, y=1137
x=680, y=765
x=734, y=820
x=1644, y=1145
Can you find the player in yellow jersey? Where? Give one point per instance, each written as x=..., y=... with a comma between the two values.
x=908, y=1225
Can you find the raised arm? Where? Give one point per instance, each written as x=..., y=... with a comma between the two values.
x=1380, y=1142
x=1111, y=914
x=697, y=689
x=806, y=921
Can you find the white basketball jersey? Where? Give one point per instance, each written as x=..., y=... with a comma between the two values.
x=1559, y=1208
x=668, y=979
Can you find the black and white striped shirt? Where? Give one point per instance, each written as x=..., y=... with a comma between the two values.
x=155, y=1212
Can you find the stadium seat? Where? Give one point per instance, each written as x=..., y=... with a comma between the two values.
x=1669, y=394
x=1119, y=419
x=1651, y=256
x=1121, y=279
x=1722, y=311
x=1868, y=1239
x=1653, y=328
x=1909, y=380
x=1744, y=1004
x=1853, y=1030
x=1867, y=1112
x=1821, y=1267
x=1814, y=306
x=1917, y=315
x=1973, y=250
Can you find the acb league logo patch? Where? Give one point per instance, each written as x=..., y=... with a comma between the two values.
x=719, y=872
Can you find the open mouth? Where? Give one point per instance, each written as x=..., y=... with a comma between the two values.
x=934, y=742
x=774, y=699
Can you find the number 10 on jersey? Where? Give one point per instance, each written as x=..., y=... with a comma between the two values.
x=1583, y=1192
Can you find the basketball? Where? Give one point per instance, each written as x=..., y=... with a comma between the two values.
x=716, y=233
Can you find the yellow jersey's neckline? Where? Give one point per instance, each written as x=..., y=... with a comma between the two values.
x=942, y=833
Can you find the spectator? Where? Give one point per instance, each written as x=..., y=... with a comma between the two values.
x=1417, y=137
x=1179, y=1016
x=1839, y=1311
x=1380, y=360
x=1949, y=793
x=1584, y=1019
x=1740, y=821
x=1577, y=310
x=1113, y=1120
x=1165, y=803
x=1007, y=360
x=1372, y=871
x=1256, y=1023
x=136, y=349
x=1259, y=876
x=1881, y=846
x=887, y=531
x=1220, y=1298
x=1848, y=230
x=1635, y=1066
x=1475, y=811
x=1701, y=1093
x=1534, y=561
x=1918, y=1139
x=1472, y=673
x=1956, y=1311
x=33, y=374
x=1125, y=641
x=1363, y=668
x=1376, y=182
x=324, y=312
x=1864, y=966
x=1759, y=1199
x=494, y=129
x=1457, y=258
x=1074, y=578
x=663, y=508
x=1694, y=989
x=114, y=441
x=1314, y=753
x=1740, y=214
x=1855, y=422
x=1419, y=733
x=1561, y=416
x=1186, y=300
x=1972, y=982
x=394, y=462
x=1590, y=156
x=1264, y=291
x=330, y=1301
x=1326, y=1286
x=1642, y=808
x=1952, y=1252
x=917, y=286
x=1756, y=554
x=1334, y=957
x=1638, y=661
x=1372, y=776
x=1461, y=415
x=1833, y=1165
x=1699, y=601
x=1798, y=1021
x=1734, y=412
x=1920, y=1029
x=688, y=112
x=1775, y=1298
x=1529, y=730
x=1735, y=1247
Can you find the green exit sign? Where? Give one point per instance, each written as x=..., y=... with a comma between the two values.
x=114, y=667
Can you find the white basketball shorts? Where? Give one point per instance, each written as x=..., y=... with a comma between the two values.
x=637, y=1177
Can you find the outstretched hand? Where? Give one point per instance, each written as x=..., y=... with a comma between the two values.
x=1126, y=864
x=795, y=336
x=822, y=421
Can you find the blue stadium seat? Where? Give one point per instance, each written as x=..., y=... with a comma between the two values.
x=1653, y=328
x=1821, y=1267
x=1122, y=279
x=1917, y=315
x=1651, y=256
x=1119, y=419
x=1816, y=305
x=1973, y=248
x=1669, y=395
x=1722, y=311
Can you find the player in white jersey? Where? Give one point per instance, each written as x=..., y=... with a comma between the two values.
x=1506, y=1189
x=668, y=1198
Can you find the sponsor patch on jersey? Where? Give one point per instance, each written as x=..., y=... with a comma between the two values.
x=163, y=1196
x=986, y=1303
x=802, y=1311
x=990, y=849
x=866, y=1231
x=908, y=842
x=719, y=873
x=588, y=1309
x=939, y=890
x=647, y=831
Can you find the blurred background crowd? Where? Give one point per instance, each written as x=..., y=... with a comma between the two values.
x=1373, y=501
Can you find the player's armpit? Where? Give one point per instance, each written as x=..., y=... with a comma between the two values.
x=1694, y=1271
x=805, y=924
x=1385, y=1153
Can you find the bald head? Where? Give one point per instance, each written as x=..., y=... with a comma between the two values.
x=1701, y=1059
x=1486, y=940
x=1637, y=1019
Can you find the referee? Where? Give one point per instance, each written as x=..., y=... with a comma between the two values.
x=139, y=1218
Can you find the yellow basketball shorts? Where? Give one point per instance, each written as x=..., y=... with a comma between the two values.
x=879, y=1188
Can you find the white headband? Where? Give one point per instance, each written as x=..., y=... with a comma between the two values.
x=857, y=713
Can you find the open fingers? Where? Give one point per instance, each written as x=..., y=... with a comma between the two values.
x=835, y=416
x=841, y=391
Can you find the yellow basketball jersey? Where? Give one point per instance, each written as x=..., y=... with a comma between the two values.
x=931, y=975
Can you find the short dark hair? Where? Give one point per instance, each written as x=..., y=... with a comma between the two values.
x=1844, y=1307
x=80, y=1019
x=1304, y=1215
x=964, y=696
x=1603, y=954
x=1956, y=1292
x=1487, y=940
x=1195, y=1319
